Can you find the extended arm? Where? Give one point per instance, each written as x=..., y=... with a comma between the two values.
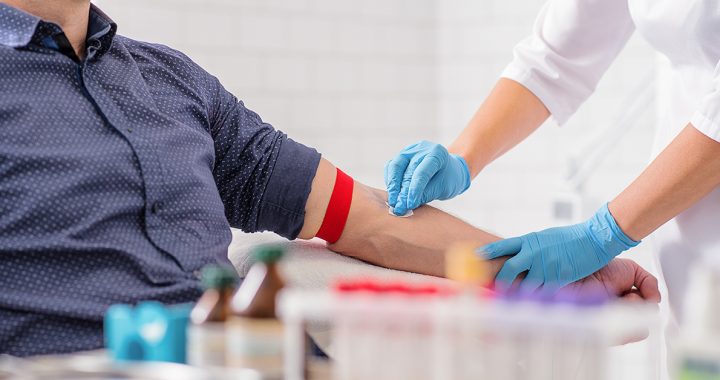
x=415, y=244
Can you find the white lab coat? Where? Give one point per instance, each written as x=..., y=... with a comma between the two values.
x=574, y=42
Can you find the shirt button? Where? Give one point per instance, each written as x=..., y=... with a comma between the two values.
x=129, y=130
x=197, y=274
x=156, y=207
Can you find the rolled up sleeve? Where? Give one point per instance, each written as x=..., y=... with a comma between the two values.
x=707, y=117
x=264, y=178
x=572, y=45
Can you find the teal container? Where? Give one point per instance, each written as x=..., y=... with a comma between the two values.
x=148, y=332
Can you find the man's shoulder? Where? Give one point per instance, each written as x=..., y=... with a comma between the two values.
x=152, y=50
x=158, y=54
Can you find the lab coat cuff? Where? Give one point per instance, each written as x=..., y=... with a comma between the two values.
x=523, y=75
x=706, y=126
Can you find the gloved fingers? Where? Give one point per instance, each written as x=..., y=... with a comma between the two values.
x=511, y=269
x=430, y=165
x=401, y=206
x=500, y=248
x=395, y=170
x=534, y=279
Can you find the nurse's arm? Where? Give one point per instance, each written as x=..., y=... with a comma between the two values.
x=685, y=172
x=507, y=116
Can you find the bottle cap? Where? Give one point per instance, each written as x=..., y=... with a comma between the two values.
x=269, y=253
x=218, y=277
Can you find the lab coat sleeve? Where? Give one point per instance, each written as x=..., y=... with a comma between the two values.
x=572, y=45
x=707, y=118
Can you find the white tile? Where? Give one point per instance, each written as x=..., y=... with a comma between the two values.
x=379, y=76
x=286, y=73
x=336, y=7
x=359, y=114
x=311, y=34
x=212, y=29
x=262, y=31
x=317, y=114
x=334, y=75
x=288, y=5
x=358, y=38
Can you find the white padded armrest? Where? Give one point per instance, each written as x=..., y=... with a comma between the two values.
x=310, y=265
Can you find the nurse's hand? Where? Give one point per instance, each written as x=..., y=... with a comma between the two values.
x=559, y=256
x=424, y=172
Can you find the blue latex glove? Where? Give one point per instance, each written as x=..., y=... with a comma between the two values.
x=424, y=172
x=558, y=256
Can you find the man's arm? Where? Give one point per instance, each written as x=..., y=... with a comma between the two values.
x=415, y=244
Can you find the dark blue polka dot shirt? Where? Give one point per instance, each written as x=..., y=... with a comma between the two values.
x=120, y=176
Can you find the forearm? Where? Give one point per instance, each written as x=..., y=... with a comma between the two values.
x=686, y=171
x=418, y=243
x=415, y=244
x=509, y=114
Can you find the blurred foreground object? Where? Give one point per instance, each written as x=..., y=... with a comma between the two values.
x=96, y=365
x=207, y=330
x=698, y=352
x=254, y=334
x=463, y=265
x=396, y=330
x=148, y=332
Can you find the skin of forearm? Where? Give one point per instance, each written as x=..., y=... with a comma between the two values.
x=507, y=116
x=685, y=172
x=415, y=244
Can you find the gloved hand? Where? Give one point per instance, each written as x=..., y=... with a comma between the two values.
x=423, y=172
x=559, y=256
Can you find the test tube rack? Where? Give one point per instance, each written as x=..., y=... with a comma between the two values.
x=430, y=333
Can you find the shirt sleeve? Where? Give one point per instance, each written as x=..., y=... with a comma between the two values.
x=264, y=178
x=572, y=45
x=707, y=118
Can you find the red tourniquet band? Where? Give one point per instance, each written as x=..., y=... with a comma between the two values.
x=338, y=209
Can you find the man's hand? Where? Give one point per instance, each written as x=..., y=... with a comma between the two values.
x=624, y=279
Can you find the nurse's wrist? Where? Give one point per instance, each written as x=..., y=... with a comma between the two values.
x=623, y=222
x=474, y=163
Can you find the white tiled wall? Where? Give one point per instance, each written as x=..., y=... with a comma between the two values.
x=359, y=80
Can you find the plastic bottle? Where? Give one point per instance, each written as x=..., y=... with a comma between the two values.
x=207, y=329
x=255, y=335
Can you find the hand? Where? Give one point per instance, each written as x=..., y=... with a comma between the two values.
x=423, y=172
x=621, y=278
x=558, y=256
x=626, y=280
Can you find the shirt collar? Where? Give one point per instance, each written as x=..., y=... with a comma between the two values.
x=17, y=28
